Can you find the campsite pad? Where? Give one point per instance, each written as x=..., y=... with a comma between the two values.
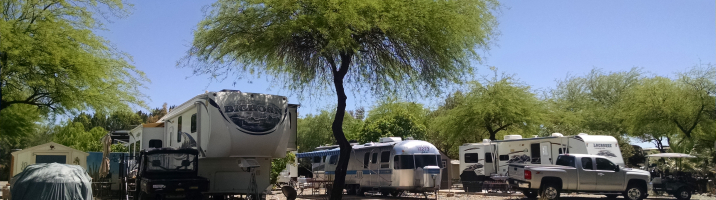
x=52, y=181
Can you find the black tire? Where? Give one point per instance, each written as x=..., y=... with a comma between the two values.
x=550, y=191
x=532, y=194
x=612, y=196
x=384, y=193
x=144, y=196
x=683, y=193
x=396, y=193
x=635, y=192
x=351, y=190
x=359, y=192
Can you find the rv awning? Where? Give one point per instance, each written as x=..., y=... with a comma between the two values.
x=329, y=152
x=672, y=155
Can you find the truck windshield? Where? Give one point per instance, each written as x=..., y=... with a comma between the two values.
x=175, y=162
x=565, y=161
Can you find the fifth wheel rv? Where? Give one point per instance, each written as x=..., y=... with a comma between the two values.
x=489, y=160
x=236, y=133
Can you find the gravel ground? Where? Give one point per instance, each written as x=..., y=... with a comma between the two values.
x=277, y=195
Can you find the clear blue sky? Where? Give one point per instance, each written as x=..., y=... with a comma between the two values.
x=539, y=41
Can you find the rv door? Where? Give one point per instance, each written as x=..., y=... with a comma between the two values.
x=546, y=153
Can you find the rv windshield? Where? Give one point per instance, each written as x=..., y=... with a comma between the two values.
x=426, y=160
x=175, y=162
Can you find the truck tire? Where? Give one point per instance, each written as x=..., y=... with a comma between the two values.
x=550, y=191
x=683, y=193
x=635, y=192
x=530, y=193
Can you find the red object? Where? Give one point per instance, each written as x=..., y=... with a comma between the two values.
x=528, y=175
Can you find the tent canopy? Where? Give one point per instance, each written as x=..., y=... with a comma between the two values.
x=671, y=155
x=52, y=181
x=329, y=152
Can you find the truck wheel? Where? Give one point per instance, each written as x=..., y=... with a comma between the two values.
x=683, y=193
x=550, y=192
x=143, y=196
x=530, y=193
x=612, y=196
x=634, y=192
x=360, y=192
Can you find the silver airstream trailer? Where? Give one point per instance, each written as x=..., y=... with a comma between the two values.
x=390, y=166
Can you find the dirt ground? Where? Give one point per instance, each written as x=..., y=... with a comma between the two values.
x=277, y=195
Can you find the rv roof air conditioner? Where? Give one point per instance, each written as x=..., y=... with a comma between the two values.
x=390, y=139
x=513, y=137
x=368, y=144
x=485, y=140
x=229, y=90
x=557, y=135
x=582, y=134
x=409, y=138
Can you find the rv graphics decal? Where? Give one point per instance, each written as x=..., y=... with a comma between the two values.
x=254, y=117
x=606, y=153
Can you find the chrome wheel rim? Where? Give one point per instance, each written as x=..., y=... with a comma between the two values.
x=684, y=194
x=634, y=193
x=550, y=193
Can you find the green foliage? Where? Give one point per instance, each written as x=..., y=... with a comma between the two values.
x=277, y=165
x=18, y=121
x=499, y=104
x=392, y=118
x=393, y=45
x=118, y=120
x=74, y=135
x=315, y=130
x=50, y=58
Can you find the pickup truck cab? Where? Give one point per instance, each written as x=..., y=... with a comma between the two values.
x=580, y=173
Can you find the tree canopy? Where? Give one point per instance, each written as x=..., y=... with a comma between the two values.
x=382, y=46
x=51, y=58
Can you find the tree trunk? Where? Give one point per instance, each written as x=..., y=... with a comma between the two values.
x=337, y=127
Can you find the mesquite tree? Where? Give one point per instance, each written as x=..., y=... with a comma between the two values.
x=411, y=47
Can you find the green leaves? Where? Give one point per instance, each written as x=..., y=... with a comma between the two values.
x=395, y=46
x=50, y=58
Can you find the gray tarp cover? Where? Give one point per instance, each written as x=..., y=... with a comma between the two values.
x=52, y=181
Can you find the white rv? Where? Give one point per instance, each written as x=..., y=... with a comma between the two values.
x=489, y=160
x=237, y=134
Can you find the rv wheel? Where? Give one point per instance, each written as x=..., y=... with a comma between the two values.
x=360, y=192
x=396, y=193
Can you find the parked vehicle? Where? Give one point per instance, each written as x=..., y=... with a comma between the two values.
x=169, y=173
x=390, y=166
x=488, y=160
x=228, y=127
x=673, y=182
x=580, y=173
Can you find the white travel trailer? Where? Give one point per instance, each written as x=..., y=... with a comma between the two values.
x=237, y=134
x=390, y=166
x=489, y=160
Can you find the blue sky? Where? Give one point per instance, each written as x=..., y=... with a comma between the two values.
x=539, y=42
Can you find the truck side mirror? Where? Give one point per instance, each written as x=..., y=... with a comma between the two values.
x=616, y=169
x=156, y=163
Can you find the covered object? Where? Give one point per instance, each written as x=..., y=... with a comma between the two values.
x=52, y=181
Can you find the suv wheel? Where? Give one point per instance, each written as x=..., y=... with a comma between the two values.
x=550, y=192
x=683, y=193
x=634, y=192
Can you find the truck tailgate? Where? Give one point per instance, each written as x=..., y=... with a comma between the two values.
x=516, y=171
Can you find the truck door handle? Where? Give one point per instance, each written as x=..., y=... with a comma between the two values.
x=600, y=174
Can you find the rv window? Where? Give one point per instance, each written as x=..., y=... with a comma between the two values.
x=587, y=163
x=565, y=161
x=504, y=157
x=425, y=160
x=488, y=157
x=193, y=123
x=324, y=159
x=333, y=160
x=385, y=156
x=403, y=162
x=366, y=159
x=316, y=159
x=179, y=130
x=440, y=164
x=155, y=143
x=604, y=164
x=375, y=158
x=471, y=158
x=535, y=153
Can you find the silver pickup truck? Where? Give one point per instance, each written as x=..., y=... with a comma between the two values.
x=580, y=173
